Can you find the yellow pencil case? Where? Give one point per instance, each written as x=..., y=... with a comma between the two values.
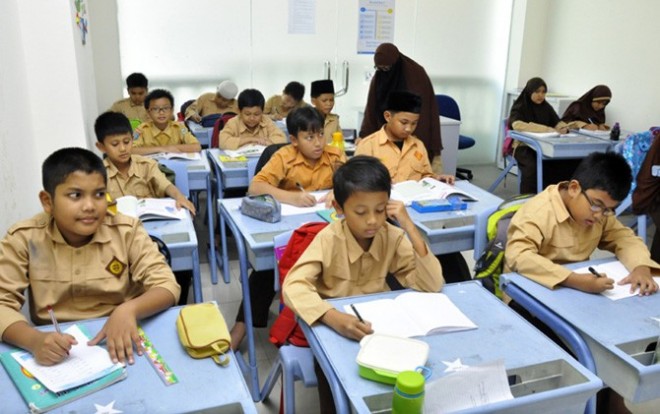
x=203, y=332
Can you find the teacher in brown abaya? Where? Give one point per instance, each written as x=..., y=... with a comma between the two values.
x=397, y=72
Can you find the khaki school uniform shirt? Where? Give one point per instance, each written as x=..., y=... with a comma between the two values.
x=409, y=163
x=330, y=126
x=542, y=237
x=288, y=166
x=205, y=105
x=273, y=106
x=235, y=129
x=118, y=264
x=132, y=111
x=334, y=265
x=143, y=180
x=173, y=134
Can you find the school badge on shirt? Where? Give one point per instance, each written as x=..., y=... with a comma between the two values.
x=418, y=155
x=115, y=267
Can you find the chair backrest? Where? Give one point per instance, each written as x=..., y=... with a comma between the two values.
x=180, y=169
x=217, y=127
x=163, y=249
x=265, y=156
x=184, y=106
x=448, y=107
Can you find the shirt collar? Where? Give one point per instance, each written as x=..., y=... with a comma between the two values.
x=112, y=170
x=102, y=234
x=561, y=212
x=355, y=250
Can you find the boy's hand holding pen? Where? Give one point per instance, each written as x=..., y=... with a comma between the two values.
x=304, y=199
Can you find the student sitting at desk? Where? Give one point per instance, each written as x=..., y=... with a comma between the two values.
x=82, y=262
x=251, y=126
x=532, y=113
x=567, y=222
x=278, y=106
x=323, y=99
x=588, y=112
x=220, y=102
x=646, y=197
x=137, y=86
x=354, y=255
x=162, y=134
x=289, y=176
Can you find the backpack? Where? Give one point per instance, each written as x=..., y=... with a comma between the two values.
x=491, y=262
x=285, y=329
x=217, y=127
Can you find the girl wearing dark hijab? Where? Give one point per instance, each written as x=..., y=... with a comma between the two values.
x=588, y=112
x=397, y=72
x=532, y=113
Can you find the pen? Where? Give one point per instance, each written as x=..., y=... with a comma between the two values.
x=590, y=121
x=53, y=319
x=594, y=272
x=300, y=187
x=357, y=313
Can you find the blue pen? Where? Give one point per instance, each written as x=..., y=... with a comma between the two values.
x=590, y=121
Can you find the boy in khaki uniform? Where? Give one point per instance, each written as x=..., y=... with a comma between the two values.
x=278, y=106
x=82, y=262
x=133, y=106
x=567, y=221
x=220, y=102
x=323, y=99
x=305, y=165
x=162, y=134
x=251, y=126
x=394, y=144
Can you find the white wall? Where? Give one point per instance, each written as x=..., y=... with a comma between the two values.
x=41, y=97
x=104, y=31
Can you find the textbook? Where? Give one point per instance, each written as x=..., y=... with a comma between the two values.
x=250, y=150
x=82, y=373
x=187, y=156
x=427, y=189
x=412, y=314
x=150, y=208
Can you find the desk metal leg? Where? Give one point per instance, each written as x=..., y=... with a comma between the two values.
x=251, y=368
x=197, y=277
x=560, y=327
x=223, y=242
x=211, y=250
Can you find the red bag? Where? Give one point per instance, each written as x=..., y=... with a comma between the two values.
x=285, y=329
x=217, y=127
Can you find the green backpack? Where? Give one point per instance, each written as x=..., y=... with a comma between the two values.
x=491, y=263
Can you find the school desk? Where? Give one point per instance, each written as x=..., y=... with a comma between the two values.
x=543, y=378
x=462, y=230
x=618, y=336
x=203, y=134
x=570, y=146
x=203, y=385
x=181, y=240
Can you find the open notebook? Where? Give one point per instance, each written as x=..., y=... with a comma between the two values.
x=150, y=208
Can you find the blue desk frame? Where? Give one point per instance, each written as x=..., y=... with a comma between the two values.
x=203, y=385
x=609, y=337
x=203, y=134
x=501, y=333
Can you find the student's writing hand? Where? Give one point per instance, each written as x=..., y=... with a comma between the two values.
x=346, y=325
x=302, y=199
x=120, y=333
x=640, y=278
x=590, y=127
x=396, y=210
x=50, y=348
x=562, y=130
x=185, y=203
x=449, y=179
x=589, y=283
x=327, y=199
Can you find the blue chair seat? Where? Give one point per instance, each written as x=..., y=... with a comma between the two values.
x=465, y=142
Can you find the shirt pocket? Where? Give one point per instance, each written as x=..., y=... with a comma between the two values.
x=140, y=190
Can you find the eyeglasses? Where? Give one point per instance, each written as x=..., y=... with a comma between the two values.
x=598, y=208
x=163, y=110
x=383, y=68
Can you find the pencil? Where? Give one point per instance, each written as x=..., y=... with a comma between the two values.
x=300, y=187
x=594, y=272
x=357, y=313
x=53, y=319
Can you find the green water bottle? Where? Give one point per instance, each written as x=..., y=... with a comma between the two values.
x=408, y=395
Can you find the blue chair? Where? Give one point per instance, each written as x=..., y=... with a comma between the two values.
x=180, y=169
x=509, y=161
x=448, y=107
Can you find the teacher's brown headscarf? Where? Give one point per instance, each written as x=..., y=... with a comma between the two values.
x=397, y=72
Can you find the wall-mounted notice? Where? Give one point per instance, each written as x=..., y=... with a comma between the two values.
x=375, y=24
x=302, y=16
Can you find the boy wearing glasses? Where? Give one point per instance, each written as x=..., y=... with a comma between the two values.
x=566, y=222
x=162, y=134
x=290, y=175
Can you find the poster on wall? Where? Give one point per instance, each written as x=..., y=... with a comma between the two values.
x=81, y=19
x=302, y=16
x=375, y=24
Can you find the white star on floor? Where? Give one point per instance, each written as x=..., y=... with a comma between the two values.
x=453, y=366
x=106, y=409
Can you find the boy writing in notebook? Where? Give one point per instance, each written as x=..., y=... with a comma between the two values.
x=251, y=126
x=82, y=262
x=394, y=144
x=566, y=222
x=162, y=134
x=305, y=165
